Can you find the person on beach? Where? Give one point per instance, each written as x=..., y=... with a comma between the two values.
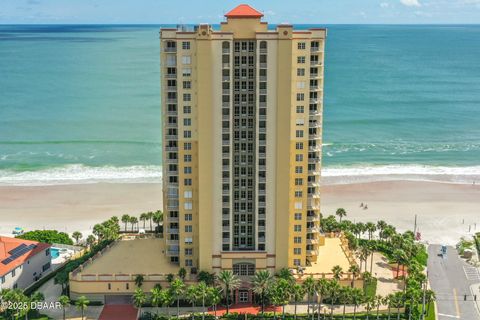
x=361, y=205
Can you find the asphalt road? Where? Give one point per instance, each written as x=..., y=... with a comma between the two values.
x=451, y=278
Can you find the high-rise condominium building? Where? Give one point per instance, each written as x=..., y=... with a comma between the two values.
x=242, y=128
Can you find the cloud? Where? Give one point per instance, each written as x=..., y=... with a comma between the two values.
x=411, y=3
x=384, y=5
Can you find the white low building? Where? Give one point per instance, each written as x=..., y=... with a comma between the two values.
x=22, y=262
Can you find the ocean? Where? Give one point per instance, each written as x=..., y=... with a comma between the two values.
x=81, y=104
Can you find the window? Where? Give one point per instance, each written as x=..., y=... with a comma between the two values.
x=301, y=46
x=187, y=206
x=301, y=59
x=188, y=262
x=13, y=273
x=186, y=60
x=299, y=133
x=300, y=72
x=187, y=194
x=2, y=279
x=188, y=240
x=187, y=182
x=298, y=216
x=297, y=240
x=297, y=251
x=188, y=217
x=301, y=85
x=187, y=134
x=187, y=84
x=298, y=205
x=187, y=170
x=296, y=262
x=187, y=72
x=298, y=194
x=297, y=228
x=188, y=251
x=298, y=169
x=47, y=252
x=244, y=269
x=299, y=145
x=127, y=286
x=46, y=266
x=187, y=97
x=300, y=109
x=188, y=228
x=186, y=45
x=187, y=146
x=187, y=122
x=109, y=286
x=299, y=122
x=298, y=181
x=187, y=158
x=300, y=96
x=187, y=109
x=299, y=157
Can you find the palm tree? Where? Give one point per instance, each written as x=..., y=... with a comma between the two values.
x=202, y=294
x=228, y=281
x=369, y=305
x=381, y=225
x=344, y=297
x=99, y=231
x=400, y=257
x=192, y=295
x=284, y=273
x=182, y=273
x=214, y=297
x=322, y=289
x=139, y=299
x=90, y=241
x=364, y=254
x=156, y=297
x=298, y=293
x=77, y=235
x=378, y=300
x=158, y=218
x=261, y=282
x=337, y=272
x=340, y=213
x=283, y=290
x=150, y=217
x=309, y=285
x=144, y=218
x=166, y=300
x=355, y=271
x=177, y=288
x=139, y=280
x=397, y=300
x=388, y=301
x=333, y=290
x=126, y=220
x=357, y=298
x=82, y=304
x=64, y=302
x=371, y=228
x=133, y=221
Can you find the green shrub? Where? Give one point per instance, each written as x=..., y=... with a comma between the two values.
x=47, y=236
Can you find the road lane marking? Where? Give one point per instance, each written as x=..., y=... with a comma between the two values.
x=457, y=308
x=471, y=273
x=448, y=316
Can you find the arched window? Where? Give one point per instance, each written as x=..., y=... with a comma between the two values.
x=244, y=269
x=226, y=45
x=263, y=45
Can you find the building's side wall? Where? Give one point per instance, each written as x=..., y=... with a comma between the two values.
x=29, y=272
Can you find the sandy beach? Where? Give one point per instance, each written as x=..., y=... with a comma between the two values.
x=445, y=211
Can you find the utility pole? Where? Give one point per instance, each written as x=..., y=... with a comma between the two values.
x=415, y=227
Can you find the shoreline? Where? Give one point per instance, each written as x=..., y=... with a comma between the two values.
x=445, y=210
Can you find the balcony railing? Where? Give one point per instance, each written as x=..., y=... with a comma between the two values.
x=170, y=49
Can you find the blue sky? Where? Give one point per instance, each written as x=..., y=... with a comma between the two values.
x=276, y=11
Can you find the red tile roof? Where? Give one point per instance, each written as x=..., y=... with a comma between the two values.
x=7, y=244
x=244, y=11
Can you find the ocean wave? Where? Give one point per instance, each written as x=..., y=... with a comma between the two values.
x=79, y=174
x=416, y=172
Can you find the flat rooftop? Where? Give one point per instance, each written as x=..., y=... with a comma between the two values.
x=329, y=255
x=139, y=256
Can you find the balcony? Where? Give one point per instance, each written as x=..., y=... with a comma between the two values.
x=261, y=239
x=314, y=75
x=171, y=137
x=314, y=183
x=315, y=63
x=314, y=88
x=312, y=252
x=263, y=78
x=173, y=219
x=314, y=124
x=170, y=49
x=172, y=242
x=313, y=205
x=314, y=49
x=171, y=88
x=263, y=65
x=263, y=91
x=171, y=148
x=171, y=76
x=313, y=218
x=225, y=240
x=315, y=148
x=313, y=229
x=313, y=160
x=225, y=65
x=261, y=216
x=314, y=136
x=172, y=230
x=171, y=125
x=225, y=91
x=172, y=252
x=312, y=241
x=225, y=130
x=171, y=161
x=314, y=100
